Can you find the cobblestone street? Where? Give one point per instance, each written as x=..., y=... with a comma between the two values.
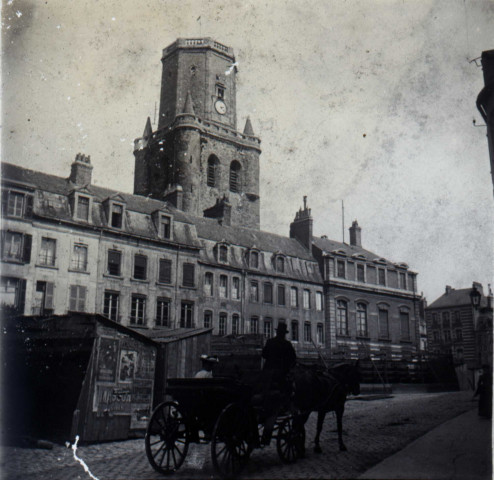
x=373, y=430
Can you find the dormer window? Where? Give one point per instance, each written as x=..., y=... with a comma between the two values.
x=82, y=209
x=223, y=254
x=165, y=226
x=116, y=215
x=280, y=264
x=254, y=259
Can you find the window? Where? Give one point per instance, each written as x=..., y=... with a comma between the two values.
x=47, y=252
x=411, y=282
x=254, y=325
x=405, y=325
x=43, y=298
x=116, y=215
x=361, y=319
x=15, y=204
x=234, y=176
x=459, y=334
x=223, y=254
x=446, y=323
x=294, y=331
x=456, y=318
x=293, y=297
x=360, y=273
x=211, y=173
x=222, y=324
x=280, y=264
x=83, y=208
x=187, y=315
x=220, y=91
x=341, y=318
x=235, y=324
x=165, y=271
x=208, y=284
x=436, y=336
x=268, y=327
x=110, y=305
x=188, y=274
x=114, y=258
x=77, y=300
x=236, y=288
x=434, y=320
x=254, y=259
x=208, y=318
x=281, y=295
x=319, y=301
x=254, y=292
x=306, y=297
x=320, y=334
x=340, y=268
x=16, y=246
x=138, y=310
x=13, y=294
x=162, y=312
x=268, y=293
x=382, y=276
x=447, y=335
x=307, y=333
x=165, y=226
x=383, y=323
x=403, y=281
x=140, y=267
x=223, y=286
x=79, y=258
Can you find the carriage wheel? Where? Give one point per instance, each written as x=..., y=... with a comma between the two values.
x=166, y=438
x=289, y=441
x=231, y=443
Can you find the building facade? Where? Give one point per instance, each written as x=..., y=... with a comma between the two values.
x=455, y=328
x=185, y=250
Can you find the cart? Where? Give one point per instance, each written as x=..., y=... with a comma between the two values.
x=219, y=411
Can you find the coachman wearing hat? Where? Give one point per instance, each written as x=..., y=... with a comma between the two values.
x=280, y=357
x=208, y=363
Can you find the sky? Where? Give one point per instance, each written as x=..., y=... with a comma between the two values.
x=369, y=102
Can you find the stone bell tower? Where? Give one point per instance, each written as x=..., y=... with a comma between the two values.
x=196, y=158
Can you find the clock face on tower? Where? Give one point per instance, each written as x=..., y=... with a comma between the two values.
x=220, y=107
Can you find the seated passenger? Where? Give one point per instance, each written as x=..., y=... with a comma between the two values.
x=207, y=366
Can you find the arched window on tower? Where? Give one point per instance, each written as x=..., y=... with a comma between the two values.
x=235, y=176
x=211, y=173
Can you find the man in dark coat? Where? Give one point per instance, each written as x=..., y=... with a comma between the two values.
x=279, y=357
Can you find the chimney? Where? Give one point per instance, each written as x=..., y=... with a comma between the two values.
x=222, y=210
x=355, y=234
x=479, y=287
x=175, y=196
x=81, y=170
x=449, y=289
x=301, y=227
x=489, y=297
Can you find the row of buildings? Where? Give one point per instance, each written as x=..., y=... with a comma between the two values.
x=186, y=250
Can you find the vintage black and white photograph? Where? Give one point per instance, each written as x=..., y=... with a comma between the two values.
x=247, y=239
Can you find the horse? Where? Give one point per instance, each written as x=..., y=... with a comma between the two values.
x=323, y=390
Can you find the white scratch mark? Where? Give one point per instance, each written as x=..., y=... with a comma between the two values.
x=80, y=460
x=18, y=13
x=85, y=136
x=232, y=66
x=122, y=139
x=68, y=98
x=10, y=2
x=58, y=26
x=113, y=19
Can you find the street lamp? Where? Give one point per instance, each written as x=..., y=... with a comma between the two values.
x=475, y=296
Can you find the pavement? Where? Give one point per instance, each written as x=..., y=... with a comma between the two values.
x=460, y=448
x=374, y=431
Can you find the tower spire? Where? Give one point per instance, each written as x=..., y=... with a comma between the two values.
x=148, y=129
x=189, y=105
x=248, y=130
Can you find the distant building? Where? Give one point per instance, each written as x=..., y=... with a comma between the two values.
x=485, y=102
x=185, y=250
x=456, y=328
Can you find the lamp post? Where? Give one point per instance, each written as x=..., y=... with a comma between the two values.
x=475, y=297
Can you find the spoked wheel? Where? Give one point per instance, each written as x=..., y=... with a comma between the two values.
x=232, y=440
x=166, y=438
x=290, y=441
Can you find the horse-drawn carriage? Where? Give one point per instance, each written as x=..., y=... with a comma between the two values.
x=220, y=411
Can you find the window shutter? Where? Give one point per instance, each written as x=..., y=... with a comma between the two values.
x=21, y=299
x=82, y=299
x=73, y=298
x=49, y=292
x=188, y=271
x=28, y=240
x=5, y=201
x=28, y=208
